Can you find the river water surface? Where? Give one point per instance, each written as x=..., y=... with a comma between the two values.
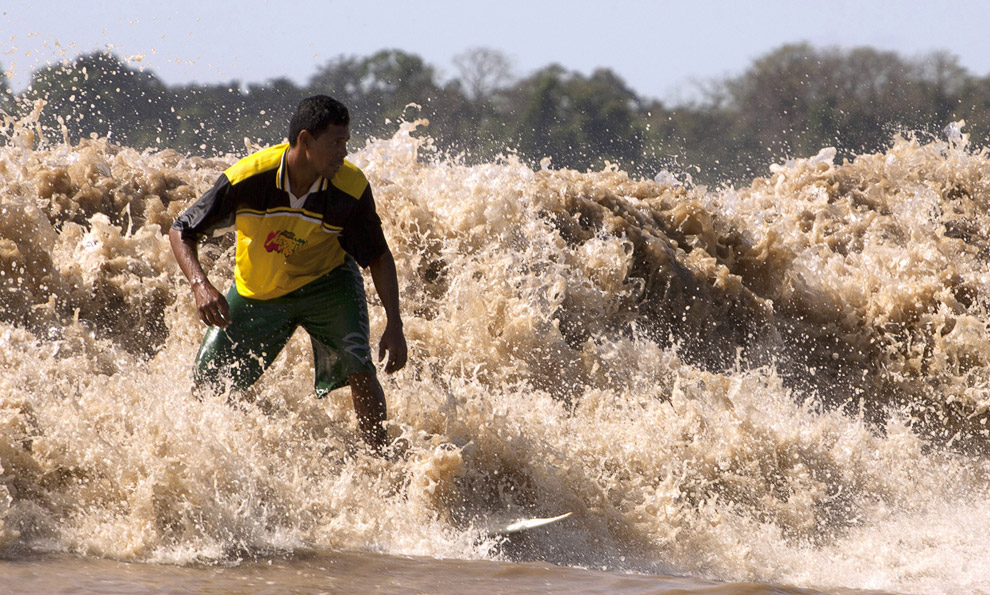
x=780, y=387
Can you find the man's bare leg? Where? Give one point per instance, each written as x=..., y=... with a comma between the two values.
x=369, y=405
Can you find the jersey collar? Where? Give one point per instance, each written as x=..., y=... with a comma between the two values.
x=282, y=177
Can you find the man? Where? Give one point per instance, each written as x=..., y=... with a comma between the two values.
x=305, y=218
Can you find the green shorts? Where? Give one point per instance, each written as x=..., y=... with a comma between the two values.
x=332, y=309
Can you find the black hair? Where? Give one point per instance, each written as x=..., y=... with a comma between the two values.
x=315, y=114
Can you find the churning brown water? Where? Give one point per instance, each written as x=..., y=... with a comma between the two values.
x=784, y=384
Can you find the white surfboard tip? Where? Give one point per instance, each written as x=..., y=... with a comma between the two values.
x=524, y=524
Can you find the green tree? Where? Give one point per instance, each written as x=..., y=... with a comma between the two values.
x=578, y=122
x=480, y=128
x=688, y=141
x=378, y=88
x=606, y=110
x=797, y=99
x=974, y=108
x=790, y=102
x=9, y=109
x=340, y=78
x=6, y=94
x=483, y=72
x=98, y=94
x=222, y=118
x=381, y=89
x=538, y=117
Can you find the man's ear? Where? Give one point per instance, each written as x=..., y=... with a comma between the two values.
x=303, y=137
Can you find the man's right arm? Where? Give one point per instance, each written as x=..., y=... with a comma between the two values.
x=212, y=306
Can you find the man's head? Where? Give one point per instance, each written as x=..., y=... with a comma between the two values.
x=318, y=134
x=314, y=114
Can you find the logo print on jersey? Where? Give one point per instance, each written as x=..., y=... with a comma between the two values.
x=283, y=242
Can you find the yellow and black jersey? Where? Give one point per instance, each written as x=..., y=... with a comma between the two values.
x=280, y=248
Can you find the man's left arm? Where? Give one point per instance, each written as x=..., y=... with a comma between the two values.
x=386, y=281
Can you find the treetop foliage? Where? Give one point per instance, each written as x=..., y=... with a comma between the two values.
x=790, y=102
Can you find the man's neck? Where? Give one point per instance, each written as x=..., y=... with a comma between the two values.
x=301, y=175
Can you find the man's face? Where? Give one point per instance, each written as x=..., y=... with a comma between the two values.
x=327, y=150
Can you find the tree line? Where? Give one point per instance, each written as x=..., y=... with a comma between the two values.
x=789, y=103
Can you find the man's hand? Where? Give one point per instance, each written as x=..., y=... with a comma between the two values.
x=213, y=307
x=387, y=286
x=394, y=342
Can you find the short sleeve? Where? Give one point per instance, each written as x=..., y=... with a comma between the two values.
x=362, y=236
x=213, y=213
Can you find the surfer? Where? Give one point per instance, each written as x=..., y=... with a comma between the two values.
x=305, y=219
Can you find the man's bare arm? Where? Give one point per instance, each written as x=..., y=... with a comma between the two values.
x=393, y=341
x=213, y=308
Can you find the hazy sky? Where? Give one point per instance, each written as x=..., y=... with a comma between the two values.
x=661, y=49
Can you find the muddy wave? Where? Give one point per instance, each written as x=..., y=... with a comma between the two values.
x=766, y=383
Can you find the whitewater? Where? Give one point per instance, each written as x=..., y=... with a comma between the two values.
x=775, y=387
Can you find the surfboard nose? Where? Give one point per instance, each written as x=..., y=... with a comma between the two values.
x=523, y=524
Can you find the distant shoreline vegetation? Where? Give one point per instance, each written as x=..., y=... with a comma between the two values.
x=789, y=103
